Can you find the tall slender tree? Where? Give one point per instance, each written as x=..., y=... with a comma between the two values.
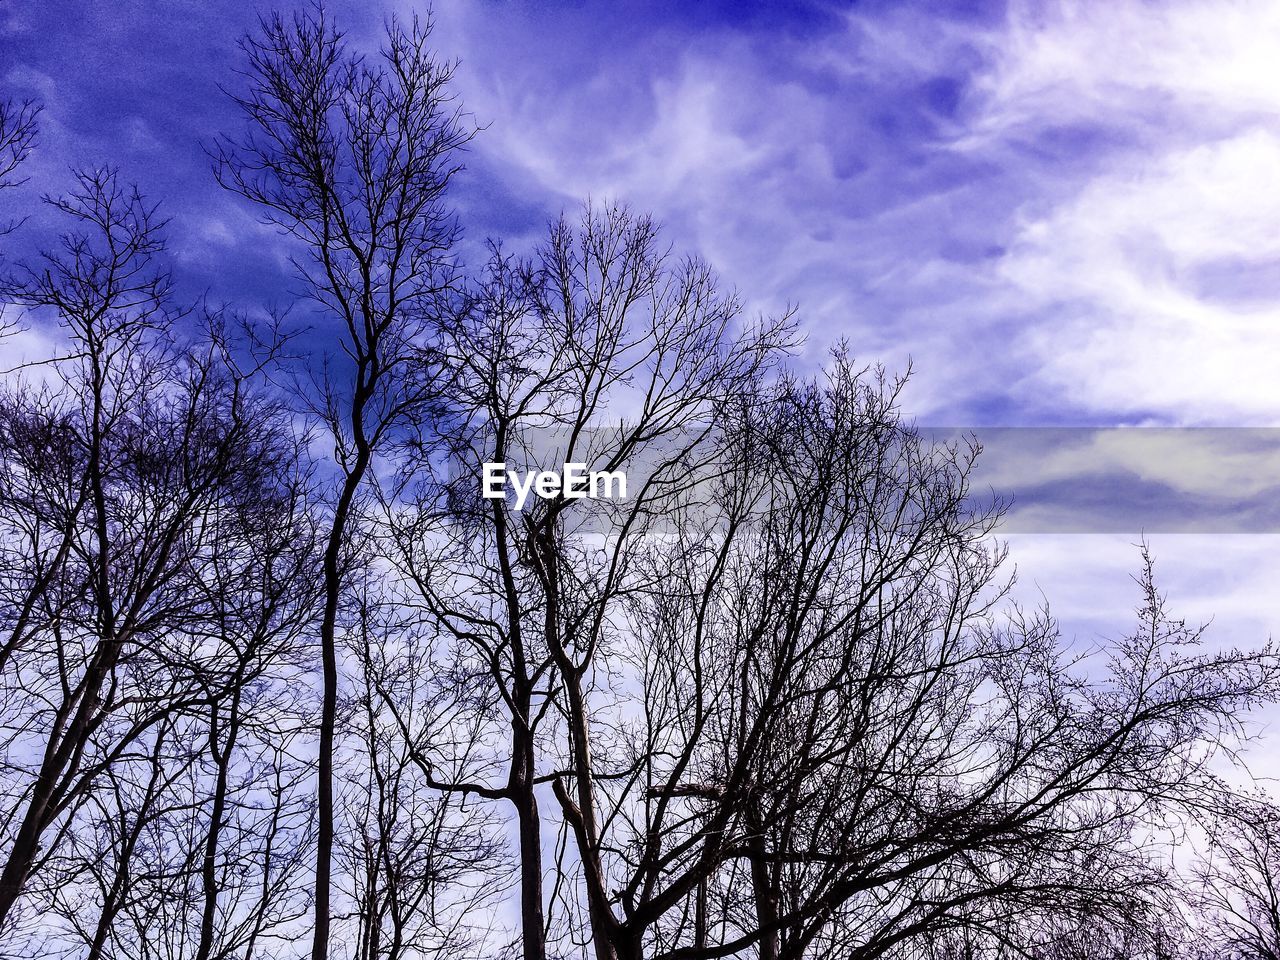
x=350, y=156
x=118, y=473
x=601, y=317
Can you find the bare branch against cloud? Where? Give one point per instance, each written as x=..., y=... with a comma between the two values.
x=552, y=598
x=18, y=129
x=350, y=157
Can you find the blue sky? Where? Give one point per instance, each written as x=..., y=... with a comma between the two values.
x=1063, y=214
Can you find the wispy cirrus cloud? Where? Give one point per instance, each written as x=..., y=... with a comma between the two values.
x=1063, y=213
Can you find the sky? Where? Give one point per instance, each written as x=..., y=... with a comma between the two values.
x=1061, y=214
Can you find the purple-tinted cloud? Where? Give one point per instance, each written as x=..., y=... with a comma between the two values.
x=1064, y=213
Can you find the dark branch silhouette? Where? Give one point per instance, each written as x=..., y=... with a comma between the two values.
x=279, y=678
x=350, y=156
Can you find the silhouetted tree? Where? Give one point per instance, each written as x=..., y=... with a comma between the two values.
x=350, y=157
x=773, y=700
x=131, y=476
x=602, y=315
x=850, y=747
x=422, y=866
x=1240, y=883
x=773, y=690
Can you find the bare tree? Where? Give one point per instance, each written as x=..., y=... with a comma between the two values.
x=422, y=865
x=601, y=316
x=767, y=697
x=195, y=838
x=19, y=128
x=1240, y=882
x=350, y=156
x=847, y=749
x=119, y=474
x=109, y=296
x=791, y=718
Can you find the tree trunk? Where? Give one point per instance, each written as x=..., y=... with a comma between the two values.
x=532, y=918
x=329, y=667
x=208, y=866
x=766, y=898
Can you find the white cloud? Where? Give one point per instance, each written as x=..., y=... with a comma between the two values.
x=26, y=350
x=1115, y=273
x=1113, y=278
x=1066, y=62
x=1115, y=283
